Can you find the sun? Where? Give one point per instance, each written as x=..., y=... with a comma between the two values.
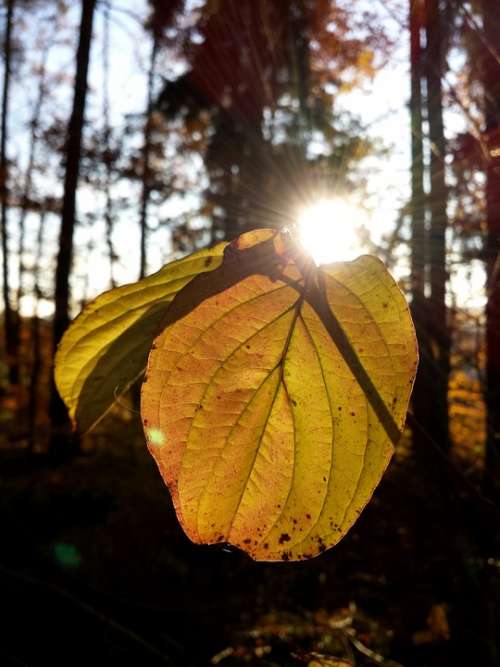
x=327, y=230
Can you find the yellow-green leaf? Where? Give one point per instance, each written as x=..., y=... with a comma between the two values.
x=272, y=400
x=105, y=349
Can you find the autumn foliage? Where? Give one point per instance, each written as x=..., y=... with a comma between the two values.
x=274, y=392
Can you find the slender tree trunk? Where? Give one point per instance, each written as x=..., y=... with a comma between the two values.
x=418, y=200
x=35, y=341
x=86, y=277
x=300, y=64
x=108, y=165
x=146, y=156
x=9, y=315
x=420, y=401
x=491, y=69
x=489, y=583
x=438, y=198
x=58, y=412
x=26, y=197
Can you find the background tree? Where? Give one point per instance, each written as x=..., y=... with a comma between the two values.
x=68, y=214
x=418, y=206
x=491, y=83
x=108, y=155
x=256, y=117
x=438, y=274
x=9, y=314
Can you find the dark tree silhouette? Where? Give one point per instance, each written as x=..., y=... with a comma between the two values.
x=253, y=89
x=107, y=155
x=35, y=338
x=59, y=417
x=9, y=314
x=26, y=202
x=417, y=213
x=160, y=18
x=491, y=83
x=146, y=157
x=438, y=276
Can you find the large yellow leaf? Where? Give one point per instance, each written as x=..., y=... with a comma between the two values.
x=105, y=349
x=272, y=400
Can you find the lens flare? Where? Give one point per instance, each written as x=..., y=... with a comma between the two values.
x=327, y=230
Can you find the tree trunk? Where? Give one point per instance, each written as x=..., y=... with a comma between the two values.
x=300, y=69
x=108, y=164
x=35, y=341
x=146, y=154
x=438, y=197
x=489, y=582
x=26, y=202
x=420, y=402
x=9, y=315
x=491, y=73
x=58, y=412
x=418, y=201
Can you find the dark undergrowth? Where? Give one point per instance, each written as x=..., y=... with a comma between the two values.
x=95, y=569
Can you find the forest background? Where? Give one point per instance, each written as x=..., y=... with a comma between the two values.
x=136, y=132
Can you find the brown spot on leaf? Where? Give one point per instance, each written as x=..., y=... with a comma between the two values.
x=285, y=537
x=208, y=261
